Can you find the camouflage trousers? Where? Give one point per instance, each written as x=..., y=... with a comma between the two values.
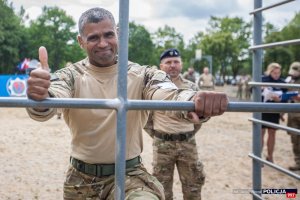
x=294, y=122
x=139, y=185
x=183, y=154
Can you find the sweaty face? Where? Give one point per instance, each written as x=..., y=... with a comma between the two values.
x=171, y=66
x=100, y=41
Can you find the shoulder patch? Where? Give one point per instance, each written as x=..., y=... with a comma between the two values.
x=167, y=85
x=159, y=75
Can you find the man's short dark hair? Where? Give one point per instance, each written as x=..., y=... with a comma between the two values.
x=94, y=15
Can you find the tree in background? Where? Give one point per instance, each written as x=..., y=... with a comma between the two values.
x=290, y=32
x=284, y=55
x=190, y=51
x=56, y=31
x=279, y=54
x=10, y=38
x=140, y=46
x=165, y=38
x=227, y=40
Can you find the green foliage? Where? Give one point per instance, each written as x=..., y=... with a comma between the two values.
x=290, y=32
x=190, y=50
x=140, y=46
x=165, y=38
x=284, y=55
x=10, y=38
x=227, y=41
x=53, y=29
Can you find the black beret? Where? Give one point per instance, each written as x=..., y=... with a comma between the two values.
x=169, y=53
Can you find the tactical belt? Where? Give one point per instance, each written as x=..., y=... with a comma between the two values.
x=174, y=137
x=100, y=170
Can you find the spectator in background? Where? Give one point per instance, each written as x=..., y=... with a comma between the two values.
x=206, y=80
x=239, y=93
x=248, y=88
x=174, y=142
x=272, y=75
x=294, y=118
x=190, y=74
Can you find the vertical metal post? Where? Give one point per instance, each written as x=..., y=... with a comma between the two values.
x=257, y=72
x=122, y=96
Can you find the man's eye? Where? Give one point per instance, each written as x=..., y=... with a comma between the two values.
x=92, y=39
x=109, y=35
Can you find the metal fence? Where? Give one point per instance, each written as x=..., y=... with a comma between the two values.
x=122, y=104
x=257, y=49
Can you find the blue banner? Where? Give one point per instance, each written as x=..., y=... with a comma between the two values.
x=13, y=85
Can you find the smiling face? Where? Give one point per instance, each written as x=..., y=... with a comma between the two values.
x=100, y=41
x=172, y=66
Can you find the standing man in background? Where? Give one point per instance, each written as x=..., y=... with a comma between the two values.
x=239, y=92
x=294, y=118
x=190, y=75
x=174, y=140
x=248, y=88
x=206, y=80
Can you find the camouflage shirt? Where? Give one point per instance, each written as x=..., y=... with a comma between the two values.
x=161, y=122
x=94, y=130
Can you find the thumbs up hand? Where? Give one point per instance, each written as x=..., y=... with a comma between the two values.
x=43, y=57
x=39, y=79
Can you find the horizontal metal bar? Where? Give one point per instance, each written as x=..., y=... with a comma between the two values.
x=232, y=106
x=270, y=45
x=60, y=103
x=277, y=167
x=281, y=85
x=270, y=6
x=263, y=107
x=277, y=126
x=143, y=104
x=159, y=105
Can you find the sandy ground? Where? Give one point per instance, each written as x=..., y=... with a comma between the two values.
x=34, y=157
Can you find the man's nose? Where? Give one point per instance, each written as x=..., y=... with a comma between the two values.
x=172, y=64
x=102, y=43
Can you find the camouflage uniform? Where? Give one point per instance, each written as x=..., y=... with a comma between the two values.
x=206, y=82
x=247, y=88
x=94, y=133
x=190, y=77
x=239, y=93
x=294, y=118
x=183, y=154
x=138, y=183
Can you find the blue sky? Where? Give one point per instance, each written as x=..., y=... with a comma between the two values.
x=187, y=16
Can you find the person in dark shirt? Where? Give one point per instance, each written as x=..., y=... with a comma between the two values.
x=272, y=75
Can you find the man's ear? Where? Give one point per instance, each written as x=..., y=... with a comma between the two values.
x=80, y=41
x=118, y=30
x=161, y=66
